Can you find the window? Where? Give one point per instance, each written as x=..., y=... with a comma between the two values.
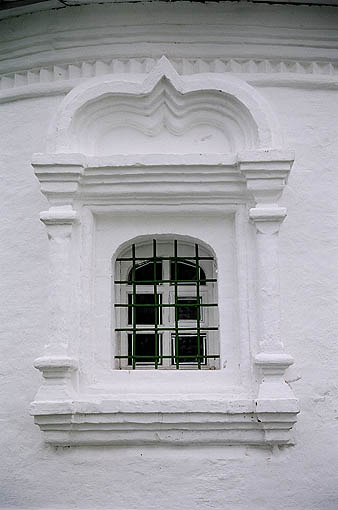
x=166, y=307
x=167, y=327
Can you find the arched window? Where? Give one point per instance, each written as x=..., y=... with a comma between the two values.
x=166, y=306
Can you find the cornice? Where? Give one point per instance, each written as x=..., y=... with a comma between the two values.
x=12, y=8
x=17, y=7
x=207, y=178
x=223, y=30
x=60, y=79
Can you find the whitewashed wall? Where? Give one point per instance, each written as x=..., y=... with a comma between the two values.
x=304, y=94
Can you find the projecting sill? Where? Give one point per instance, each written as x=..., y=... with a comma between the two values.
x=128, y=422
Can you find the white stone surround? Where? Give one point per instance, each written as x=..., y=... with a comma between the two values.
x=85, y=178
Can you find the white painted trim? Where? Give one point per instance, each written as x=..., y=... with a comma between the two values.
x=235, y=93
x=83, y=70
x=172, y=422
x=81, y=188
x=321, y=81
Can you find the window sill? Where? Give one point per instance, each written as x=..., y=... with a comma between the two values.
x=170, y=420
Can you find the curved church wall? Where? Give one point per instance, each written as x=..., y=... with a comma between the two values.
x=289, y=54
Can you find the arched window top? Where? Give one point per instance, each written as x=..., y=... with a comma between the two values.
x=166, y=306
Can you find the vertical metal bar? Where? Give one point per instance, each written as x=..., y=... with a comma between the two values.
x=133, y=304
x=155, y=303
x=176, y=307
x=198, y=308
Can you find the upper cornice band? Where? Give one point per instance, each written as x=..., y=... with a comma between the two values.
x=60, y=79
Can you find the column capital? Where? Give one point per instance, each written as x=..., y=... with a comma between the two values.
x=60, y=215
x=267, y=219
x=59, y=176
x=55, y=364
x=273, y=362
x=266, y=172
x=59, y=221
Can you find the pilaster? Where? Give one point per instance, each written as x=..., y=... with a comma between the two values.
x=56, y=365
x=266, y=174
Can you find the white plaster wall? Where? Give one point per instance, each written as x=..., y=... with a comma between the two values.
x=302, y=477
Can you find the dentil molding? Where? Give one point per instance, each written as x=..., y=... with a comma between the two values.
x=61, y=78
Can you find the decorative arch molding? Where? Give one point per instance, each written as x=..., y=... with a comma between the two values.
x=97, y=190
x=235, y=110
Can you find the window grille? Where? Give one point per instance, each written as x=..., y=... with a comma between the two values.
x=165, y=303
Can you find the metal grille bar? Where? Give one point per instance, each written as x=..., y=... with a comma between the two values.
x=197, y=332
x=180, y=328
x=129, y=259
x=145, y=282
x=163, y=305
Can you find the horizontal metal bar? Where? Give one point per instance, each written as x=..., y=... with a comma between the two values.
x=151, y=330
x=163, y=305
x=179, y=282
x=158, y=259
x=168, y=356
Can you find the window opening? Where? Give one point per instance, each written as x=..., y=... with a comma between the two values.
x=167, y=314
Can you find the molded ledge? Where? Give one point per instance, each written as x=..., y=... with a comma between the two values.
x=46, y=363
x=165, y=422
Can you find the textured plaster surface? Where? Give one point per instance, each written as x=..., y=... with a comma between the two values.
x=302, y=477
x=227, y=29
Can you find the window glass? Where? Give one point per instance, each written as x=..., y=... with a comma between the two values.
x=144, y=272
x=188, y=308
x=143, y=314
x=186, y=272
x=189, y=349
x=144, y=349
